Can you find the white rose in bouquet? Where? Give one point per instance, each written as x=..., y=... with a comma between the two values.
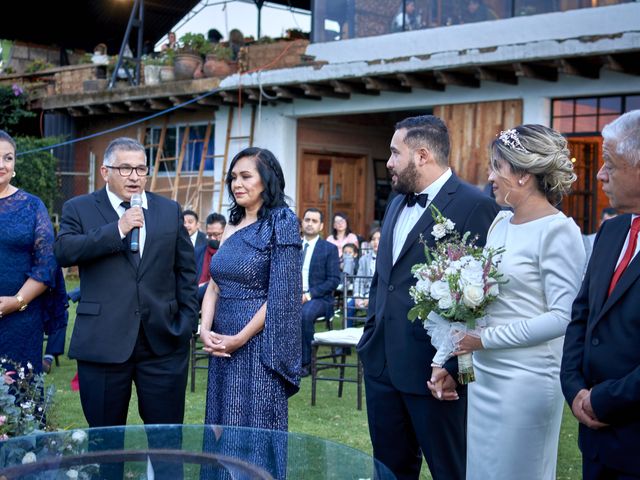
x=423, y=286
x=449, y=225
x=29, y=457
x=472, y=295
x=439, y=289
x=445, y=302
x=439, y=231
x=472, y=274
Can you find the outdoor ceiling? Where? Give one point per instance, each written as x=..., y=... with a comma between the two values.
x=82, y=24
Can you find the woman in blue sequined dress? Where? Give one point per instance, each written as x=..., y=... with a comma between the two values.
x=27, y=265
x=251, y=323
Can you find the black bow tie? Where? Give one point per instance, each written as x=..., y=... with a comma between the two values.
x=421, y=199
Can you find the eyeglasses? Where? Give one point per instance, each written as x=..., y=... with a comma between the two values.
x=141, y=170
x=214, y=235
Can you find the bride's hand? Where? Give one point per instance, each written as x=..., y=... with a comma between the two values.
x=225, y=345
x=468, y=344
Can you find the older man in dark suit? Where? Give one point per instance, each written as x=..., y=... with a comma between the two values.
x=405, y=419
x=601, y=363
x=137, y=308
x=320, y=278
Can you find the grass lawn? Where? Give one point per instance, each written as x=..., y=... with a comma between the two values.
x=332, y=418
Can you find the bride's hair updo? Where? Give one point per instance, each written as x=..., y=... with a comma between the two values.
x=539, y=151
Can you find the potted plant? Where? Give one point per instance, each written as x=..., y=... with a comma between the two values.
x=218, y=63
x=167, y=73
x=188, y=59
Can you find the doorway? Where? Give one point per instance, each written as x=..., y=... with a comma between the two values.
x=332, y=183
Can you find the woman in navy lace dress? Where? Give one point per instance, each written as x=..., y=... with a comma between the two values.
x=27, y=266
x=251, y=323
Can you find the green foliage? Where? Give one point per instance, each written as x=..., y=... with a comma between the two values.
x=36, y=172
x=195, y=43
x=221, y=52
x=13, y=107
x=37, y=65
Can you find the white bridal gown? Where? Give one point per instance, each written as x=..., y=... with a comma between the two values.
x=515, y=404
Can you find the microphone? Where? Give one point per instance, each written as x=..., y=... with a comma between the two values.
x=136, y=201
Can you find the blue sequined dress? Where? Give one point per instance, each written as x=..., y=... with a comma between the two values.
x=26, y=250
x=257, y=264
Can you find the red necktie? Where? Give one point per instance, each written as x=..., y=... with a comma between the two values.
x=628, y=254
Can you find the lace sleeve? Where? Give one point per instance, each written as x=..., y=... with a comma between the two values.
x=44, y=263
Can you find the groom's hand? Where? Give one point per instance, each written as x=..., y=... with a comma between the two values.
x=583, y=411
x=442, y=385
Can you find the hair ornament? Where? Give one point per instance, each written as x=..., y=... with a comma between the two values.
x=511, y=139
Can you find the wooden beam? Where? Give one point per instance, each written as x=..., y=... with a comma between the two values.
x=288, y=93
x=319, y=90
x=210, y=101
x=497, y=75
x=341, y=86
x=135, y=106
x=179, y=100
x=412, y=80
x=628, y=63
x=158, y=104
x=380, y=84
x=536, y=71
x=95, y=109
x=115, y=108
x=580, y=67
x=459, y=79
x=75, y=112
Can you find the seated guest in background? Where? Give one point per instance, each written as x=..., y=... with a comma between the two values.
x=366, y=269
x=192, y=224
x=349, y=260
x=476, y=11
x=215, y=224
x=171, y=44
x=341, y=233
x=236, y=42
x=588, y=240
x=320, y=278
x=600, y=372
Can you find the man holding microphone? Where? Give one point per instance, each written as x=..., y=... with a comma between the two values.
x=138, y=293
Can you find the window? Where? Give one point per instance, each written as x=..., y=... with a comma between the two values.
x=589, y=115
x=172, y=146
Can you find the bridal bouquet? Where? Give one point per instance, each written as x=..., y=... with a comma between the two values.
x=454, y=287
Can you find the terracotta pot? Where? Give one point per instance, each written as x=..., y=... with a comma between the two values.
x=218, y=68
x=167, y=74
x=186, y=65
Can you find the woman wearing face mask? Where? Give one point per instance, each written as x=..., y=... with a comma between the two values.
x=28, y=267
x=515, y=404
x=251, y=313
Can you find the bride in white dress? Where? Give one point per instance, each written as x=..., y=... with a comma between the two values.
x=515, y=404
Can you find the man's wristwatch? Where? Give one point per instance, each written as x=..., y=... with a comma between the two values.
x=22, y=305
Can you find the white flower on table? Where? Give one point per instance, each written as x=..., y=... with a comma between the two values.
x=78, y=436
x=29, y=457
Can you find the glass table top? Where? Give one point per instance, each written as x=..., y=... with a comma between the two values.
x=182, y=451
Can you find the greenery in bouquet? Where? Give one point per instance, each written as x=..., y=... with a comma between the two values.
x=458, y=280
x=23, y=400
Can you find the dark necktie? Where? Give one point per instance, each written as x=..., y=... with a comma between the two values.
x=628, y=253
x=304, y=251
x=135, y=255
x=420, y=199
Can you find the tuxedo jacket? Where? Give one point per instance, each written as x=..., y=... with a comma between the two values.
x=116, y=297
x=324, y=273
x=201, y=239
x=602, y=351
x=389, y=337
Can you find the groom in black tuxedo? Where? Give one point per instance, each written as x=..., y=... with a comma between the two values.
x=136, y=311
x=405, y=419
x=600, y=371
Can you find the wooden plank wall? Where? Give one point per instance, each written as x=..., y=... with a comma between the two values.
x=472, y=127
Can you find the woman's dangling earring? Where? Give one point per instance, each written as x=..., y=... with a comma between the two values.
x=14, y=174
x=520, y=182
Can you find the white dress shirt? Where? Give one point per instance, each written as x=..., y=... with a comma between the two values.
x=115, y=203
x=410, y=215
x=307, y=261
x=193, y=238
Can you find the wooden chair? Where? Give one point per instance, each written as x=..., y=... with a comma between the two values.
x=338, y=341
